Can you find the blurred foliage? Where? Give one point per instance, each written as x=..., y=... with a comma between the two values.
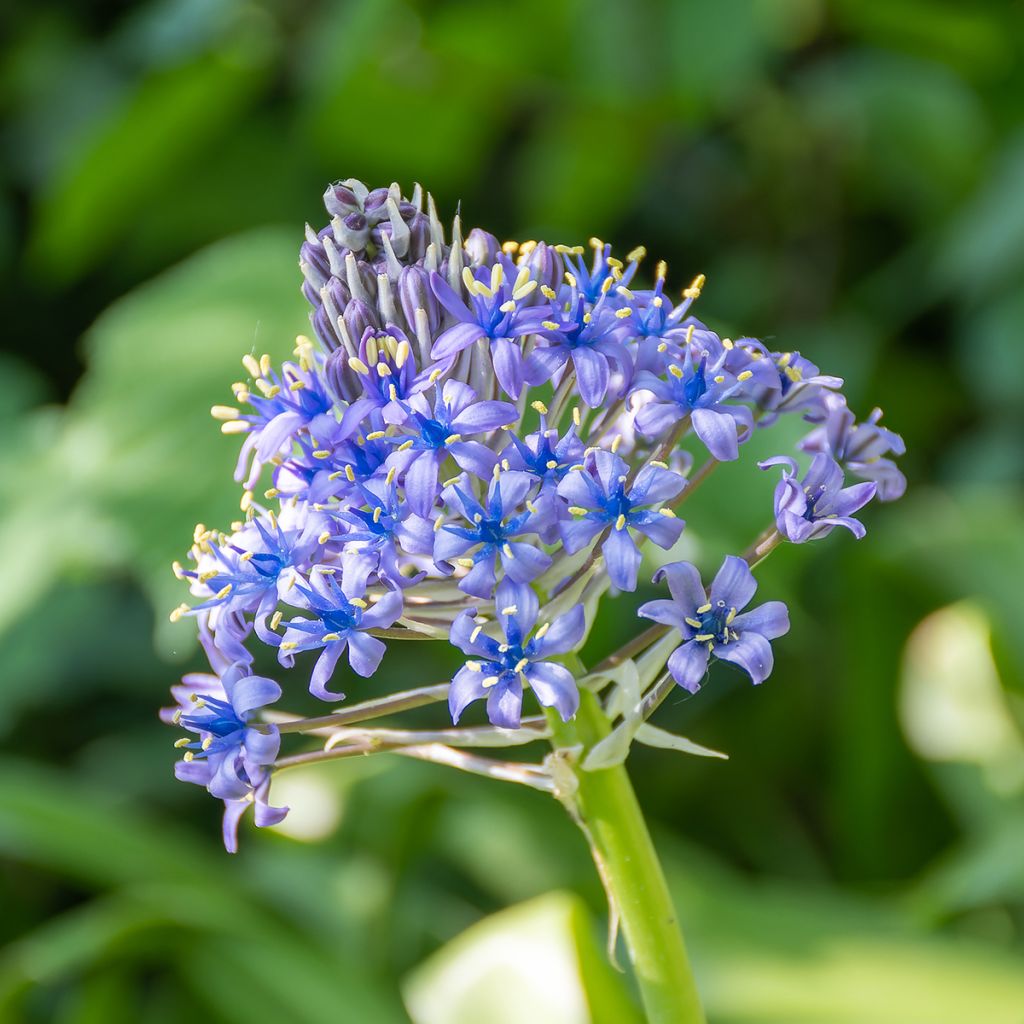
x=848, y=177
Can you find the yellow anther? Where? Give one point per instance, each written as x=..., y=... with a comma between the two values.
x=616, y=442
x=246, y=503
x=576, y=510
x=269, y=390
x=620, y=522
x=576, y=417
x=178, y=612
x=509, y=248
x=551, y=464
x=438, y=523
x=235, y=427
x=349, y=475
x=375, y=435
x=548, y=293
x=606, y=285
x=571, y=279
x=794, y=374
x=178, y=569
x=624, y=312
x=275, y=620
x=188, y=756
x=509, y=610
x=506, y=550
x=615, y=264
x=324, y=537
x=728, y=344
x=224, y=591
x=477, y=630
x=704, y=608
x=247, y=557
x=405, y=445
x=474, y=666
x=661, y=270
x=270, y=493
x=371, y=349
x=224, y=412
x=694, y=290
x=543, y=631
x=689, y=335
x=296, y=385
x=587, y=317
x=595, y=243
x=744, y=375
x=704, y=637
x=658, y=302
x=636, y=255
x=531, y=507
x=249, y=362
x=676, y=371
x=667, y=513
x=466, y=563
x=549, y=325
x=524, y=289
x=452, y=480
x=696, y=623
x=507, y=307
x=265, y=364
x=206, y=743
x=497, y=276
x=358, y=602
x=435, y=376
x=521, y=664
x=488, y=682
x=719, y=379
x=625, y=292
x=453, y=439
x=658, y=463
x=730, y=616
x=322, y=453
x=330, y=637
x=183, y=742
x=383, y=370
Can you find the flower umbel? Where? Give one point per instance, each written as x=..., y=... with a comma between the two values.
x=476, y=448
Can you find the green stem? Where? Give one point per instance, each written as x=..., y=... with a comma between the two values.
x=607, y=810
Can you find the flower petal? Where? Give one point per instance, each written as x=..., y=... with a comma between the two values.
x=555, y=687
x=734, y=583
x=751, y=652
x=622, y=557
x=684, y=584
x=688, y=664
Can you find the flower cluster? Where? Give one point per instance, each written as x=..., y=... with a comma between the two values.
x=483, y=437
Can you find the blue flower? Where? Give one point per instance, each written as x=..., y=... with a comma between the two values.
x=712, y=623
x=283, y=405
x=812, y=507
x=379, y=532
x=231, y=756
x=489, y=535
x=499, y=670
x=699, y=389
x=341, y=616
x=499, y=313
x=601, y=495
x=430, y=436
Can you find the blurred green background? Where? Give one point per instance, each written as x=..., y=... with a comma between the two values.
x=850, y=177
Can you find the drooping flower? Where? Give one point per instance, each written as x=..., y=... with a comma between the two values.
x=341, y=618
x=603, y=500
x=232, y=754
x=860, y=448
x=429, y=436
x=500, y=670
x=712, y=623
x=490, y=535
x=813, y=507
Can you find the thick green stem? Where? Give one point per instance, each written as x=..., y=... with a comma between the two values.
x=610, y=817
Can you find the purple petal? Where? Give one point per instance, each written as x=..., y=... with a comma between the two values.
x=718, y=432
x=449, y=545
x=579, y=489
x=507, y=359
x=622, y=558
x=576, y=534
x=455, y=339
x=473, y=457
x=467, y=686
x=253, y=692
x=591, y=375
x=734, y=583
x=684, y=584
x=770, y=619
x=421, y=484
x=483, y=416
x=663, y=530
x=461, y=633
x=751, y=652
x=324, y=669
x=555, y=687
x=449, y=299
x=261, y=748
x=564, y=634
x=657, y=418
x=655, y=484
x=364, y=653
x=526, y=562
x=668, y=613
x=523, y=599
x=505, y=704
x=480, y=580
x=457, y=397
x=233, y=811
x=383, y=613
x=688, y=664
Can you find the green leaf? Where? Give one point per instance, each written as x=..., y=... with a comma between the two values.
x=535, y=962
